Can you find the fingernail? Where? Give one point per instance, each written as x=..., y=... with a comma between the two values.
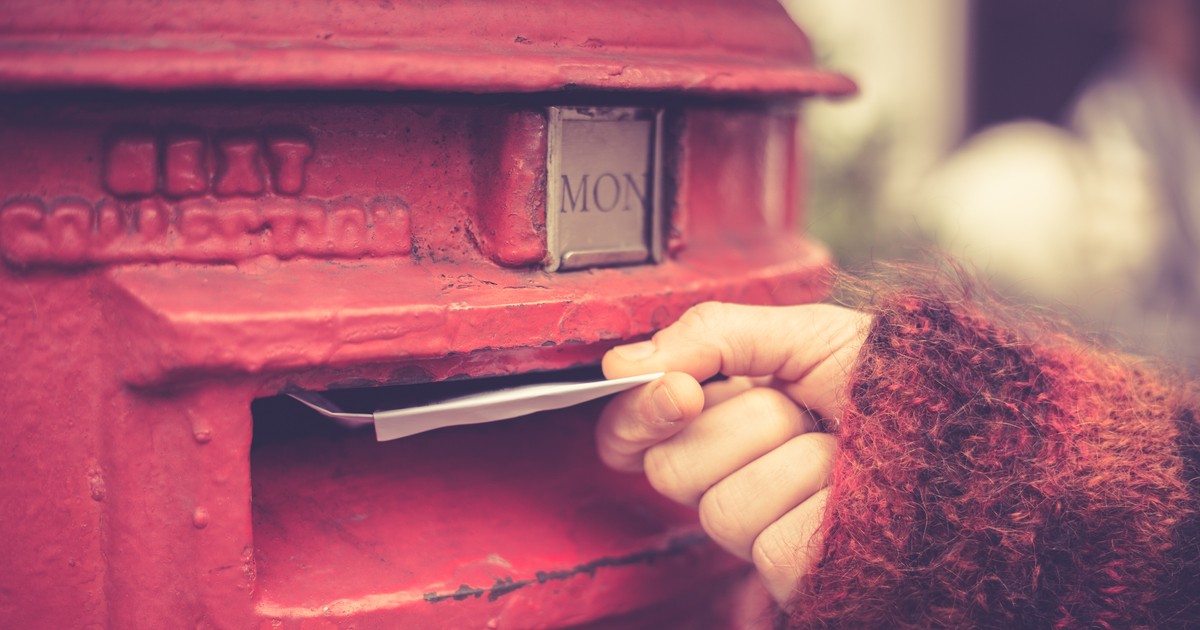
x=635, y=351
x=664, y=404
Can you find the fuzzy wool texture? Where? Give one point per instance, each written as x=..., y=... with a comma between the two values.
x=996, y=473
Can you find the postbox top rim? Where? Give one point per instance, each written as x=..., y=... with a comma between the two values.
x=710, y=47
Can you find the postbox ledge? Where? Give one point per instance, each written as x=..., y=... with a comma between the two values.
x=745, y=47
x=198, y=319
x=411, y=71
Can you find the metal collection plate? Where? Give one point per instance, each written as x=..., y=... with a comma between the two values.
x=604, y=186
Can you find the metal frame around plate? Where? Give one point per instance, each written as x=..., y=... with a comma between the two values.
x=653, y=235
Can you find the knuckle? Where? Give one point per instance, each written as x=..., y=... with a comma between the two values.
x=611, y=454
x=842, y=326
x=663, y=473
x=632, y=427
x=772, y=557
x=611, y=458
x=821, y=316
x=703, y=317
x=824, y=449
x=614, y=454
x=813, y=445
x=721, y=519
x=818, y=450
x=707, y=312
x=827, y=312
x=629, y=432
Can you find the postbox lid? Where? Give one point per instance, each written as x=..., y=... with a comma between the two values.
x=715, y=47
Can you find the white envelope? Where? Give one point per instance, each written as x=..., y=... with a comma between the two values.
x=474, y=409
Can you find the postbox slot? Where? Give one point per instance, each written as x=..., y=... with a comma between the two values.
x=280, y=418
x=341, y=521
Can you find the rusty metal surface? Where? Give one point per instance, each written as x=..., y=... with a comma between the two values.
x=167, y=259
x=709, y=46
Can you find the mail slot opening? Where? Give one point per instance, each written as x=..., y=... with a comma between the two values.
x=282, y=418
x=443, y=518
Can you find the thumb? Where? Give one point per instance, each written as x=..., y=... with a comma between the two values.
x=809, y=349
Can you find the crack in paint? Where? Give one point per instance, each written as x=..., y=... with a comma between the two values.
x=506, y=585
x=500, y=588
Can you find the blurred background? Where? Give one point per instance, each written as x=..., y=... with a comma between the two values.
x=1052, y=146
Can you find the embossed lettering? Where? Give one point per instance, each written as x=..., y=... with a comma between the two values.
x=238, y=170
x=131, y=165
x=575, y=196
x=295, y=228
x=348, y=230
x=241, y=218
x=287, y=156
x=23, y=232
x=152, y=219
x=74, y=232
x=185, y=171
x=198, y=221
x=242, y=229
x=280, y=220
x=607, y=191
x=310, y=225
x=631, y=186
x=110, y=222
x=143, y=170
x=614, y=198
x=389, y=227
x=70, y=229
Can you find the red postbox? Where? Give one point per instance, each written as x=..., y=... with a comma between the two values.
x=208, y=204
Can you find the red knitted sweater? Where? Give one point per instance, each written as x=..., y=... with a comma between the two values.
x=994, y=477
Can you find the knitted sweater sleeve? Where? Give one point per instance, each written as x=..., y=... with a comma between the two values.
x=989, y=477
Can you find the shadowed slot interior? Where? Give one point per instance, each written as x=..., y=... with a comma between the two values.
x=282, y=418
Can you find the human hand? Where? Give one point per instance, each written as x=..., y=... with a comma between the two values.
x=746, y=451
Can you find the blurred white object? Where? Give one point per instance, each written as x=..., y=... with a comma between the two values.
x=910, y=62
x=1011, y=202
x=1103, y=216
x=1027, y=203
x=1138, y=117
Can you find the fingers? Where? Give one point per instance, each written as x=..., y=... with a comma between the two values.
x=791, y=547
x=758, y=471
x=718, y=391
x=741, y=506
x=744, y=449
x=644, y=416
x=810, y=346
x=722, y=440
